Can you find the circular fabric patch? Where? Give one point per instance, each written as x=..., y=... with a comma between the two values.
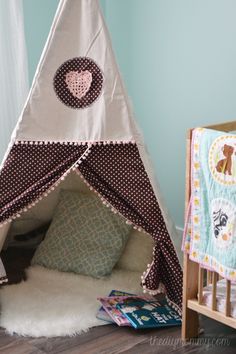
x=222, y=159
x=223, y=216
x=78, y=82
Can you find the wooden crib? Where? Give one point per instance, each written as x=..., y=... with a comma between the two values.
x=195, y=277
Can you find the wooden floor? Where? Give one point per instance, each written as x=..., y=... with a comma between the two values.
x=111, y=339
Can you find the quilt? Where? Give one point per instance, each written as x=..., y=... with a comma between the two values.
x=210, y=227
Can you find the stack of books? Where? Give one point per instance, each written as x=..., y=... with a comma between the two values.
x=126, y=309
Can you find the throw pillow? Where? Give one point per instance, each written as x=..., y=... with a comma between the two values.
x=84, y=237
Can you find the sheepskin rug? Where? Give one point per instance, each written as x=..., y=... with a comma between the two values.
x=51, y=303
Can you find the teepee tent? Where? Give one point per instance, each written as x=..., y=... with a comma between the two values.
x=77, y=117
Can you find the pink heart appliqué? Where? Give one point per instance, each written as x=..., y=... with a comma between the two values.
x=78, y=83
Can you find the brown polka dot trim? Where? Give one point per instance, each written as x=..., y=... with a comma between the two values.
x=78, y=82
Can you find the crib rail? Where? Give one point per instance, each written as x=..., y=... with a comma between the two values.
x=196, y=304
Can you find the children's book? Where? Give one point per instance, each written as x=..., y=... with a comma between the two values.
x=149, y=314
x=109, y=304
x=102, y=313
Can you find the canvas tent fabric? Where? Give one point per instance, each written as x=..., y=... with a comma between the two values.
x=77, y=116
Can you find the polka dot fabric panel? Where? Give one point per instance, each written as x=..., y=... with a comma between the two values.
x=76, y=66
x=30, y=170
x=118, y=174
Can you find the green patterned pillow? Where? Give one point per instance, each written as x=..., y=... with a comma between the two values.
x=84, y=237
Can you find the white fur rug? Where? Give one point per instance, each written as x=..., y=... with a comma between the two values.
x=52, y=303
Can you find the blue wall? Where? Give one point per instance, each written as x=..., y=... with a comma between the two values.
x=178, y=59
x=38, y=16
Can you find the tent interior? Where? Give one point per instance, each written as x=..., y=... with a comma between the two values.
x=22, y=297
x=38, y=218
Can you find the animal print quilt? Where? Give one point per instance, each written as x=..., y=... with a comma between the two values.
x=210, y=228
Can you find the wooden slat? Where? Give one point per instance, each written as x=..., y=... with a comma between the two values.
x=190, y=269
x=209, y=277
x=227, y=300
x=200, y=283
x=214, y=285
x=226, y=127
